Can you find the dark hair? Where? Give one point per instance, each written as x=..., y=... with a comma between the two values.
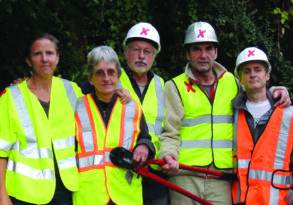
x=40, y=36
x=265, y=65
x=188, y=46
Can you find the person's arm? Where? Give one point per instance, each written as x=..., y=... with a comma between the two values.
x=4, y=198
x=7, y=140
x=144, y=148
x=170, y=139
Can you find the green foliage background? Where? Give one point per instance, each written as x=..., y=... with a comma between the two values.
x=81, y=25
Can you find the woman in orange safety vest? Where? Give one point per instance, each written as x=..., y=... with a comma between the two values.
x=103, y=123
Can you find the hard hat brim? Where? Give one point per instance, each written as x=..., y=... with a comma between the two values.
x=129, y=40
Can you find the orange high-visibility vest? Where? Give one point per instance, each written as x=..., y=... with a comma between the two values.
x=100, y=181
x=264, y=174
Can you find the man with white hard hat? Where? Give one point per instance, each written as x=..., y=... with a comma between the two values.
x=199, y=119
x=264, y=136
x=142, y=44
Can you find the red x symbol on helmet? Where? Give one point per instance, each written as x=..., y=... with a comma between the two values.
x=144, y=31
x=250, y=53
x=201, y=33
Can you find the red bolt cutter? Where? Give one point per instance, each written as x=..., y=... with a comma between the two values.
x=122, y=157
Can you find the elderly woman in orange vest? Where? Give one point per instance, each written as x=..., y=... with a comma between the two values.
x=103, y=123
x=264, y=137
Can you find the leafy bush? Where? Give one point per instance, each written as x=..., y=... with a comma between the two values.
x=81, y=25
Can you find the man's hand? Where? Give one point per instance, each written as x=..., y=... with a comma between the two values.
x=171, y=167
x=282, y=95
x=124, y=95
x=140, y=154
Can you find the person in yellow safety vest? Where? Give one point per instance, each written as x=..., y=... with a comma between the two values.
x=37, y=144
x=264, y=136
x=103, y=123
x=141, y=46
x=198, y=126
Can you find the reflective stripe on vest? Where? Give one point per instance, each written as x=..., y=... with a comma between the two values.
x=283, y=138
x=207, y=119
x=280, y=153
x=70, y=93
x=128, y=125
x=206, y=144
x=29, y=171
x=66, y=163
x=87, y=132
x=267, y=176
x=283, y=180
x=32, y=150
x=99, y=157
x=206, y=129
x=5, y=145
x=64, y=143
x=276, y=139
x=243, y=164
x=96, y=159
x=107, y=181
x=157, y=127
x=86, y=161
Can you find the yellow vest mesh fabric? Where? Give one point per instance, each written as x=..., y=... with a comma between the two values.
x=149, y=105
x=30, y=173
x=100, y=183
x=207, y=129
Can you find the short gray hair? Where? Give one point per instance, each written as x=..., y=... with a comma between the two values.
x=102, y=53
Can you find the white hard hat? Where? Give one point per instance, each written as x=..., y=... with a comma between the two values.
x=251, y=54
x=200, y=32
x=146, y=31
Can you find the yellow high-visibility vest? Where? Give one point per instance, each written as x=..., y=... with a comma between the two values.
x=100, y=180
x=30, y=140
x=152, y=106
x=207, y=129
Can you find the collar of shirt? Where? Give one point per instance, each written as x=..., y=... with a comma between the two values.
x=240, y=100
x=135, y=86
x=105, y=108
x=218, y=71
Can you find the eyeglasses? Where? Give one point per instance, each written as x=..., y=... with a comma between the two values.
x=109, y=73
x=147, y=52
